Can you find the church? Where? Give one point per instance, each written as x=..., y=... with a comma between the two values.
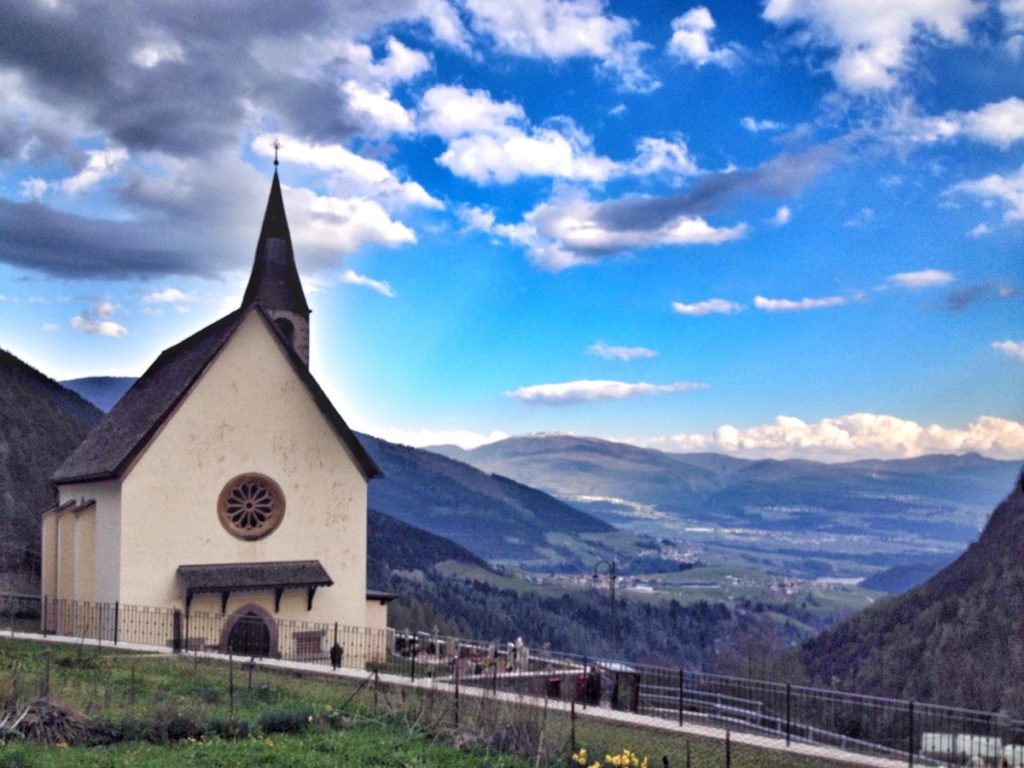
x=224, y=482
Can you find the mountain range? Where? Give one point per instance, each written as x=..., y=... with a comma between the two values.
x=860, y=515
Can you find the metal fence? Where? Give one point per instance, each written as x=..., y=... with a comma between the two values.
x=908, y=732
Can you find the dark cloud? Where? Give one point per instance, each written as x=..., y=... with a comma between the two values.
x=782, y=176
x=962, y=298
x=61, y=244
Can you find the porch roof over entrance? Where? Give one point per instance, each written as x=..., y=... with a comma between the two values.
x=225, y=578
x=289, y=574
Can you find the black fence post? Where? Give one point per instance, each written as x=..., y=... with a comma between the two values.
x=681, y=690
x=231, y=685
x=117, y=620
x=728, y=749
x=910, y=734
x=572, y=727
x=789, y=722
x=456, y=693
x=176, y=636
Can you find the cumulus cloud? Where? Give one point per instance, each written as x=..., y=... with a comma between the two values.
x=380, y=286
x=97, y=320
x=797, y=305
x=707, y=307
x=584, y=390
x=1012, y=349
x=355, y=174
x=877, y=45
x=923, y=278
x=999, y=124
x=568, y=231
x=980, y=231
x=401, y=63
x=854, y=436
x=782, y=216
x=169, y=296
x=100, y=164
x=753, y=125
x=562, y=29
x=600, y=349
x=377, y=107
x=1008, y=189
x=492, y=141
x=691, y=41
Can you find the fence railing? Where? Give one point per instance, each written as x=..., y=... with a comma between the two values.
x=912, y=732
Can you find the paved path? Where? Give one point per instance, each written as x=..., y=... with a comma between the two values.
x=631, y=719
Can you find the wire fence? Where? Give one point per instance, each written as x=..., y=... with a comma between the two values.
x=746, y=714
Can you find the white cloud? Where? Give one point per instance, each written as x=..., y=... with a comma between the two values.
x=756, y=126
x=376, y=105
x=355, y=174
x=33, y=189
x=707, y=307
x=862, y=217
x=782, y=216
x=169, y=296
x=382, y=287
x=876, y=41
x=492, y=141
x=158, y=48
x=567, y=232
x=420, y=438
x=1012, y=349
x=980, y=231
x=692, y=40
x=854, y=436
x=1009, y=189
x=475, y=217
x=564, y=29
x=400, y=64
x=655, y=156
x=797, y=305
x=96, y=320
x=585, y=390
x=1000, y=123
x=101, y=164
x=342, y=225
x=923, y=278
x=600, y=349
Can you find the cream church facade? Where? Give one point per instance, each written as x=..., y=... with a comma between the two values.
x=224, y=482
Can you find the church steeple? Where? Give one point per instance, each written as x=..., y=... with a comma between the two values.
x=274, y=283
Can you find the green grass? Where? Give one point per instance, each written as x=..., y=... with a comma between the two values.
x=337, y=722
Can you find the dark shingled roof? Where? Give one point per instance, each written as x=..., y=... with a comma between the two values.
x=274, y=282
x=109, y=450
x=233, y=576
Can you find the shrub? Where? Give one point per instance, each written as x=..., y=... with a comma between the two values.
x=228, y=729
x=103, y=732
x=285, y=721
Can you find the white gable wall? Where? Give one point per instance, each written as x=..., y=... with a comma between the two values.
x=249, y=412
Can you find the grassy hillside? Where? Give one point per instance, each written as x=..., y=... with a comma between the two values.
x=957, y=639
x=40, y=424
x=497, y=519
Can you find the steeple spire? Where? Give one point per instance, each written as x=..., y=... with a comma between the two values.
x=274, y=283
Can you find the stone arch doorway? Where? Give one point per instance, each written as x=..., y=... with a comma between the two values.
x=250, y=631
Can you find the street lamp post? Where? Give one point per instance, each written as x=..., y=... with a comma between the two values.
x=610, y=565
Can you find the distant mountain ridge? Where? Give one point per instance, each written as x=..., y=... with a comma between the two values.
x=958, y=638
x=101, y=391
x=944, y=498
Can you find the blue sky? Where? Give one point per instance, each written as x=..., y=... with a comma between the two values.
x=790, y=228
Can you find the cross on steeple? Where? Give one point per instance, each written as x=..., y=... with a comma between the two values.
x=276, y=145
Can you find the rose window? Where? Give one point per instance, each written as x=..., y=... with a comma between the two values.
x=251, y=506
